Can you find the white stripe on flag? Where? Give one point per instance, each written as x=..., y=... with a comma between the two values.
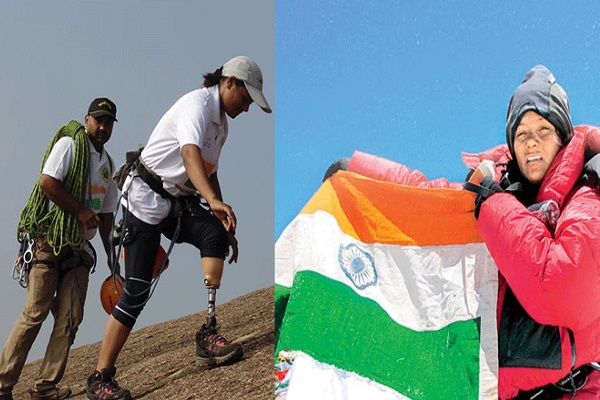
x=422, y=288
x=311, y=379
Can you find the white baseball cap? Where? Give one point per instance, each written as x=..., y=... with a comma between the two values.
x=247, y=71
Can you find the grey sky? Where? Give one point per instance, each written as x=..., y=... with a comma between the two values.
x=57, y=56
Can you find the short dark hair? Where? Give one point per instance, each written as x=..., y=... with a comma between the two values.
x=212, y=79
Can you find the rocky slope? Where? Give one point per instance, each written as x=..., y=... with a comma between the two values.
x=158, y=361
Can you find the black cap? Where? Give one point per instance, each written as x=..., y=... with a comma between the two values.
x=103, y=106
x=539, y=92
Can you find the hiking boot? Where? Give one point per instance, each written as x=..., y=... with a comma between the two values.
x=213, y=350
x=7, y=396
x=103, y=386
x=50, y=394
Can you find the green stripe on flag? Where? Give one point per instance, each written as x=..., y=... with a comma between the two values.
x=281, y=295
x=329, y=321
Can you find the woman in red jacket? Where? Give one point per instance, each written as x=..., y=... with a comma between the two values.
x=543, y=228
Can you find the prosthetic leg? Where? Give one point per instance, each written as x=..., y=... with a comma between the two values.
x=211, y=320
x=213, y=271
x=212, y=349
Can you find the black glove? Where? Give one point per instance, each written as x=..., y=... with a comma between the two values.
x=591, y=171
x=486, y=188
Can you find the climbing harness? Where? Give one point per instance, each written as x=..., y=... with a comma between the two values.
x=118, y=284
x=134, y=167
x=24, y=259
x=121, y=173
x=572, y=383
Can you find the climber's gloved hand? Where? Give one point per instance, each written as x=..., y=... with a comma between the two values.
x=547, y=211
x=591, y=172
x=487, y=187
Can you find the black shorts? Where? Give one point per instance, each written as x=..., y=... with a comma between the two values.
x=199, y=228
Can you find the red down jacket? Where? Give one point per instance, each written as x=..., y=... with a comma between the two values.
x=555, y=276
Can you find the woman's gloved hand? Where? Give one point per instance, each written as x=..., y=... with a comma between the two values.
x=488, y=187
x=591, y=172
x=547, y=211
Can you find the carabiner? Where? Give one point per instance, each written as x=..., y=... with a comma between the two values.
x=28, y=254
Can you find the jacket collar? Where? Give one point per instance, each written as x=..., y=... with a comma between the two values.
x=564, y=171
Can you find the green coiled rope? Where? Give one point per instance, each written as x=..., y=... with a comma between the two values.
x=60, y=227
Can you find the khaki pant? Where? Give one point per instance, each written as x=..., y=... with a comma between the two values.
x=60, y=286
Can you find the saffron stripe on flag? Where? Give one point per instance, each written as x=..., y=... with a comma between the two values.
x=384, y=212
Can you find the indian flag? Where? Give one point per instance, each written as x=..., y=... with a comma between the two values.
x=386, y=291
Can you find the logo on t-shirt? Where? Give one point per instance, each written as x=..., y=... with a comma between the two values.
x=105, y=175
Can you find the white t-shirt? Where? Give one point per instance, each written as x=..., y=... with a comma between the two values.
x=196, y=118
x=102, y=196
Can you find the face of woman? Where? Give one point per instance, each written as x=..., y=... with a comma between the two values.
x=536, y=144
x=236, y=99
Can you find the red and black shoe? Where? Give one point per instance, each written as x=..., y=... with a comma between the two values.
x=101, y=385
x=213, y=350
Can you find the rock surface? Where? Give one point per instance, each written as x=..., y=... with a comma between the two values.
x=158, y=362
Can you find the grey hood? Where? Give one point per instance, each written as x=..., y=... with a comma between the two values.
x=539, y=92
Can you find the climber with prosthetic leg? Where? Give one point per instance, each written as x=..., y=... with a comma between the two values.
x=173, y=190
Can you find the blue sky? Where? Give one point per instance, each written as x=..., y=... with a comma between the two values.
x=415, y=82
